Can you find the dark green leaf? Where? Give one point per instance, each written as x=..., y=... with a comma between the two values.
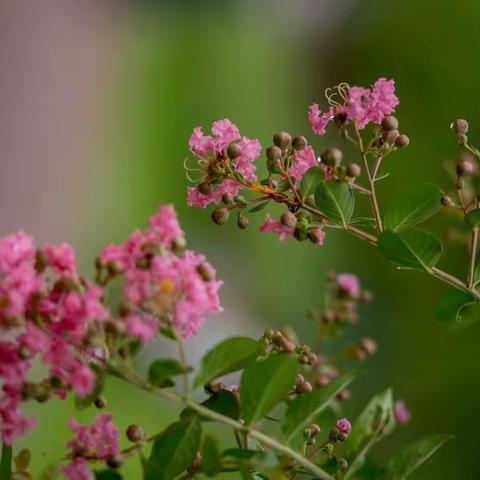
x=449, y=305
x=473, y=218
x=259, y=207
x=375, y=422
x=6, y=462
x=211, y=464
x=283, y=186
x=223, y=402
x=161, y=371
x=107, y=475
x=228, y=356
x=266, y=383
x=413, y=207
x=167, y=332
x=469, y=313
x=335, y=200
x=416, y=454
x=174, y=450
x=305, y=408
x=311, y=180
x=411, y=248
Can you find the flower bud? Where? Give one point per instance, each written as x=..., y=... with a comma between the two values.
x=460, y=126
x=314, y=430
x=390, y=136
x=234, y=150
x=353, y=170
x=342, y=465
x=282, y=140
x=205, y=188
x=220, y=215
x=242, y=222
x=299, y=143
x=227, y=198
x=343, y=395
x=447, y=201
x=465, y=167
x=288, y=219
x=368, y=345
x=100, y=402
x=300, y=234
x=402, y=141
x=303, y=387
x=206, y=271
x=332, y=157
x=274, y=153
x=390, y=123
x=115, y=461
x=135, y=433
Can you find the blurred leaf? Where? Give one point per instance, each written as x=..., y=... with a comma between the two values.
x=266, y=383
x=363, y=222
x=411, y=248
x=469, y=313
x=306, y=407
x=228, y=356
x=6, y=462
x=174, y=450
x=223, y=402
x=311, y=180
x=415, y=454
x=449, y=305
x=108, y=475
x=413, y=207
x=374, y=423
x=167, y=332
x=371, y=471
x=336, y=201
x=259, y=207
x=472, y=218
x=161, y=371
x=211, y=464
x=283, y=186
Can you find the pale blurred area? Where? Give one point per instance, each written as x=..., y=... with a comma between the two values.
x=98, y=99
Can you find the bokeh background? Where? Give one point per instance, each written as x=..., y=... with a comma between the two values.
x=98, y=99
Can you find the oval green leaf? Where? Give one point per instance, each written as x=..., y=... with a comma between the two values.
x=174, y=450
x=266, y=383
x=224, y=402
x=211, y=461
x=472, y=218
x=413, y=207
x=416, y=454
x=313, y=177
x=162, y=370
x=336, y=201
x=305, y=408
x=411, y=248
x=228, y=356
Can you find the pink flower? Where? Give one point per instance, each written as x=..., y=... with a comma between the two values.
x=401, y=412
x=61, y=258
x=320, y=120
x=344, y=426
x=270, y=225
x=165, y=224
x=202, y=144
x=143, y=327
x=79, y=469
x=302, y=161
x=349, y=283
x=197, y=199
x=319, y=234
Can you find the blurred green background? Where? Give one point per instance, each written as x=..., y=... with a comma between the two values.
x=98, y=102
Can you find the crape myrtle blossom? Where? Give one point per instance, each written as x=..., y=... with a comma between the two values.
x=357, y=104
x=160, y=286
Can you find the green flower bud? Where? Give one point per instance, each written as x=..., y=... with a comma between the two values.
x=234, y=150
x=315, y=430
x=343, y=465
x=390, y=123
x=282, y=140
x=353, y=170
x=288, y=219
x=332, y=157
x=402, y=141
x=220, y=215
x=460, y=126
x=447, y=201
x=179, y=244
x=299, y=143
x=227, y=198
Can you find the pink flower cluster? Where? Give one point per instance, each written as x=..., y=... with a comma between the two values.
x=45, y=314
x=363, y=106
x=349, y=283
x=93, y=442
x=210, y=152
x=160, y=285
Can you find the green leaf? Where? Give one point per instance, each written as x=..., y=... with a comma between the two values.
x=311, y=180
x=223, y=402
x=449, y=305
x=472, y=218
x=305, y=408
x=336, y=201
x=374, y=423
x=411, y=248
x=283, y=186
x=211, y=463
x=363, y=222
x=266, y=383
x=6, y=462
x=259, y=207
x=415, y=454
x=414, y=207
x=174, y=450
x=161, y=371
x=108, y=475
x=468, y=314
x=228, y=356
